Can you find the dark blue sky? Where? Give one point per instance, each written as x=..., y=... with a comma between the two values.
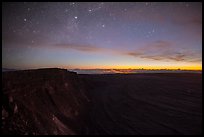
x=102, y=35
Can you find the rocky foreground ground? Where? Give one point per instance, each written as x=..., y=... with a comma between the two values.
x=58, y=102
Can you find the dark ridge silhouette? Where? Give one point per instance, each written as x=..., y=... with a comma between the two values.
x=54, y=101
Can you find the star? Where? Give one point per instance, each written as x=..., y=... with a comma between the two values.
x=66, y=10
x=72, y=4
x=94, y=24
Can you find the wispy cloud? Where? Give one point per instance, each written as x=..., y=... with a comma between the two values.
x=156, y=50
x=165, y=50
x=79, y=47
x=136, y=53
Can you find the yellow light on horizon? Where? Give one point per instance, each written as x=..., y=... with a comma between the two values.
x=140, y=67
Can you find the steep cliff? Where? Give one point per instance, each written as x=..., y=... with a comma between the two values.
x=43, y=101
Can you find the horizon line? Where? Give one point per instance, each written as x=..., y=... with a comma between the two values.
x=178, y=69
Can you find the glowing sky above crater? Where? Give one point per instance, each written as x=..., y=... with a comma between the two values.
x=102, y=35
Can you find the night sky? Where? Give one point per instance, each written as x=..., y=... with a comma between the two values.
x=102, y=35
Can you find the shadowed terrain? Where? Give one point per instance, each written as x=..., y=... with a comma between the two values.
x=56, y=101
x=145, y=104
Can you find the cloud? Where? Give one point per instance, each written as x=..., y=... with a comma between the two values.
x=79, y=47
x=134, y=53
x=171, y=56
x=165, y=50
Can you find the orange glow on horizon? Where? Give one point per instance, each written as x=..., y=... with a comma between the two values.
x=139, y=67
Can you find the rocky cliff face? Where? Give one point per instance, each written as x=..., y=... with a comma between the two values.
x=43, y=101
